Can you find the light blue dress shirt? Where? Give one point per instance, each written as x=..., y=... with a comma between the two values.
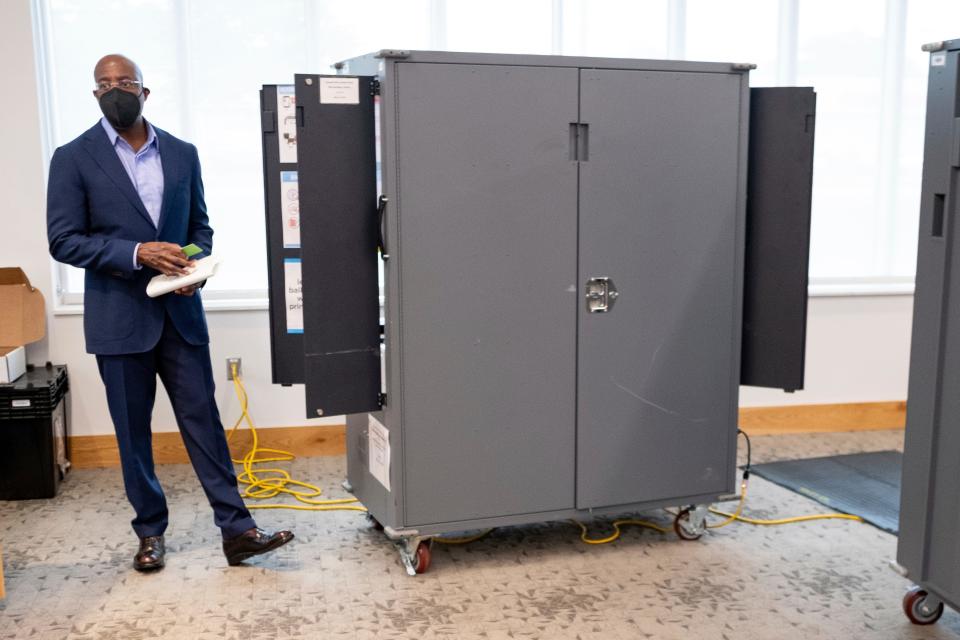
x=144, y=170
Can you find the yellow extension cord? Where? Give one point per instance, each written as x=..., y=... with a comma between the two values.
x=279, y=481
x=616, y=530
x=740, y=518
x=260, y=487
x=464, y=539
x=730, y=517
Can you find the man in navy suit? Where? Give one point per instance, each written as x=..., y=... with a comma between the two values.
x=122, y=199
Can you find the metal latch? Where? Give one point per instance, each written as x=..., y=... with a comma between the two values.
x=601, y=294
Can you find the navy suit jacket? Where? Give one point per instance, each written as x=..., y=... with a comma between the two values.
x=95, y=219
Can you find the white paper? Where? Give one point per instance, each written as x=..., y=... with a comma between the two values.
x=290, y=209
x=938, y=60
x=339, y=90
x=200, y=270
x=287, y=122
x=379, y=452
x=293, y=288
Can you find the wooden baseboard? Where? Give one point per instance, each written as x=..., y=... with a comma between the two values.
x=101, y=451
x=823, y=418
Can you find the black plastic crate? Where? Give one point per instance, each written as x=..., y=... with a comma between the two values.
x=35, y=393
x=34, y=427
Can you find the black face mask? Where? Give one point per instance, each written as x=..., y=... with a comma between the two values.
x=121, y=108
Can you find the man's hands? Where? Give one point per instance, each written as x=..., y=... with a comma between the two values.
x=168, y=259
x=165, y=257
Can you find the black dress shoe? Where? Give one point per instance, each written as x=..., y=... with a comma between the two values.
x=253, y=542
x=150, y=555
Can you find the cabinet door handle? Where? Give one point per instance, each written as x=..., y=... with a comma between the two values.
x=381, y=239
x=939, y=201
x=579, y=141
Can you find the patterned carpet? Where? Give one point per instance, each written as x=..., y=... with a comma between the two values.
x=67, y=565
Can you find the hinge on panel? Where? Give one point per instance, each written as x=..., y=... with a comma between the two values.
x=382, y=400
x=374, y=87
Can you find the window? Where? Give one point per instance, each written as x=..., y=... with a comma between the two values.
x=841, y=53
x=615, y=29
x=499, y=26
x=925, y=22
x=743, y=32
x=204, y=61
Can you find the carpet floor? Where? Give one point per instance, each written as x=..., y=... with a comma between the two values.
x=68, y=574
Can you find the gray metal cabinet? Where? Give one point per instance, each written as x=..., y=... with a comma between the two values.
x=563, y=244
x=929, y=548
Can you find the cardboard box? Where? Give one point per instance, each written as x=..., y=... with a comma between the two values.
x=13, y=363
x=22, y=321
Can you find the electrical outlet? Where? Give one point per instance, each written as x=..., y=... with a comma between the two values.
x=231, y=364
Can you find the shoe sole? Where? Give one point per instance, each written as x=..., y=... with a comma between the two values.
x=240, y=558
x=149, y=567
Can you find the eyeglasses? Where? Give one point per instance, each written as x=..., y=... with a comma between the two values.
x=130, y=86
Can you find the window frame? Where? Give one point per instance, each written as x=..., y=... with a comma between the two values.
x=71, y=302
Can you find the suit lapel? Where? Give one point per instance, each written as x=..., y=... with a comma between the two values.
x=170, y=163
x=98, y=146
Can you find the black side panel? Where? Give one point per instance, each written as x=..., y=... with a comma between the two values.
x=338, y=194
x=780, y=176
x=286, y=342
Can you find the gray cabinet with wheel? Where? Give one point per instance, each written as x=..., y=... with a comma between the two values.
x=563, y=247
x=928, y=548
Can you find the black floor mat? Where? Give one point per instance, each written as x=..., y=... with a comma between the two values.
x=862, y=484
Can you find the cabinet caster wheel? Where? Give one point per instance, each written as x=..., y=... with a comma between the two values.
x=422, y=558
x=374, y=523
x=686, y=528
x=916, y=606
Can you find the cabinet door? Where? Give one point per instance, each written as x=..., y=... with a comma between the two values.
x=779, y=182
x=336, y=161
x=487, y=219
x=661, y=216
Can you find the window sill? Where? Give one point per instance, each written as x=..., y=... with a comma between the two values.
x=216, y=305
x=851, y=288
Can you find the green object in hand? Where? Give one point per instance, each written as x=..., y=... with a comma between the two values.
x=191, y=250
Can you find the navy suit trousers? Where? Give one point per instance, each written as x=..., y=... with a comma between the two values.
x=186, y=373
